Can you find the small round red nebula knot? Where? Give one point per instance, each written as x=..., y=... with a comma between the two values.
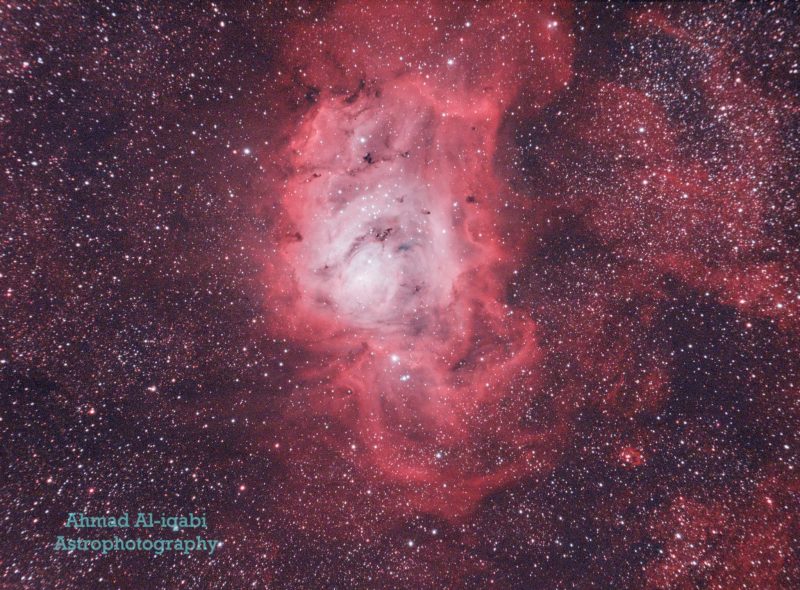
x=631, y=457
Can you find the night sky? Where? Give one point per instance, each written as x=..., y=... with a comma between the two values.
x=403, y=295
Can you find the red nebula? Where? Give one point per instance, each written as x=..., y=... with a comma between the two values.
x=631, y=457
x=723, y=542
x=395, y=253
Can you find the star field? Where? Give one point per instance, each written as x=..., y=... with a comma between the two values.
x=408, y=295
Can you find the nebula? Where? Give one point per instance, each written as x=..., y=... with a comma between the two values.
x=380, y=204
x=397, y=266
x=398, y=244
x=441, y=294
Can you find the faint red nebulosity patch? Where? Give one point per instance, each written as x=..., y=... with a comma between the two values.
x=726, y=542
x=631, y=457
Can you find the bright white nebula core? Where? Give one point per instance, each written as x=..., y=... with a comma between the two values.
x=382, y=227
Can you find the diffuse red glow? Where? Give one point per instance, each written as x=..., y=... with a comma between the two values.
x=397, y=255
x=409, y=294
